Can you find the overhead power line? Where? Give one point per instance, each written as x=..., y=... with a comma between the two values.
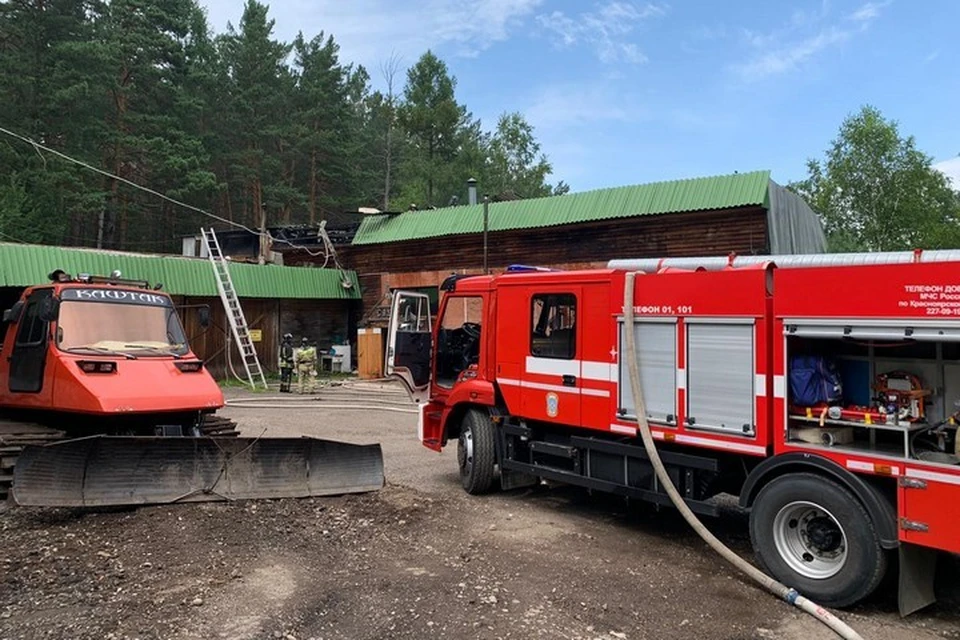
x=38, y=147
x=11, y=238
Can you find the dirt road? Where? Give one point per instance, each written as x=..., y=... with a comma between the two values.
x=419, y=559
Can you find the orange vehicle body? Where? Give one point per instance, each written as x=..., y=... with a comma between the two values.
x=109, y=407
x=133, y=384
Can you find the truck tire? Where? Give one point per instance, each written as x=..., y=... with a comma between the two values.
x=476, y=452
x=816, y=537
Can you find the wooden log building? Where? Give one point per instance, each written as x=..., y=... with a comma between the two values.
x=746, y=213
x=307, y=302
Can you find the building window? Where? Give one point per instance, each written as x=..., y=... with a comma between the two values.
x=554, y=326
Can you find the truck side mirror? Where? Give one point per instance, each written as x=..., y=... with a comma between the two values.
x=12, y=314
x=203, y=316
x=49, y=309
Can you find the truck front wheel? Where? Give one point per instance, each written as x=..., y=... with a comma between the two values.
x=816, y=537
x=476, y=452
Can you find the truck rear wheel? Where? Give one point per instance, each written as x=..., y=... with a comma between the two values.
x=476, y=452
x=816, y=537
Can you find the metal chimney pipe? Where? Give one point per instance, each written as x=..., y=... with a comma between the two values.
x=472, y=191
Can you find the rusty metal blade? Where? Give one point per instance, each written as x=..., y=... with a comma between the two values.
x=121, y=470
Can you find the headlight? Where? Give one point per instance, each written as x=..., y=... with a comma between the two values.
x=97, y=366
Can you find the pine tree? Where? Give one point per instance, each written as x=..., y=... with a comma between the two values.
x=50, y=59
x=260, y=88
x=323, y=120
x=430, y=116
x=143, y=90
x=148, y=143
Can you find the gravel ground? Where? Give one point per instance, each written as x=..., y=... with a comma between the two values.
x=419, y=559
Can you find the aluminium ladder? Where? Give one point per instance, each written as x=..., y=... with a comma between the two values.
x=231, y=305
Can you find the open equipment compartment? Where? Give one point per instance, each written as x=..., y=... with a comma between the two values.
x=890, y=390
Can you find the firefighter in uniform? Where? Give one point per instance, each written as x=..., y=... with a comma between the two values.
x=306, y=361
x=286, y=362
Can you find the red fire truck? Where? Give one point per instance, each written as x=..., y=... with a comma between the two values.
x=821, y=390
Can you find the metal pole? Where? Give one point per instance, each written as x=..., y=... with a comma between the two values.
x=262, y=257
x=486, y=224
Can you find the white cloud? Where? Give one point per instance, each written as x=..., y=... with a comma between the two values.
x=558, y=109
x=368, y=31
x=605, y=30
x=951, y=169
x=803, y=37
x=790, y=57
x=868, y=11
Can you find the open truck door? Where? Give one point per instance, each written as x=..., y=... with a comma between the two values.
x=409, y=343
x=28, y=358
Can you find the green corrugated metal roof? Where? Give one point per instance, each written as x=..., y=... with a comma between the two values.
x=23, y=265
x=697, y=194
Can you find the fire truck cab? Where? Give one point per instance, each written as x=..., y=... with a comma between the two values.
x=823, y=394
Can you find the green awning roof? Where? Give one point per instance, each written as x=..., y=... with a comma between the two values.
x=22, y=265
x=676, y=196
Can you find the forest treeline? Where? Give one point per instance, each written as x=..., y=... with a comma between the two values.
x=256, y=130
x=240, y=124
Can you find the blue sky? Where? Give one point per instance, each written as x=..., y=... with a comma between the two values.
x=623, y=92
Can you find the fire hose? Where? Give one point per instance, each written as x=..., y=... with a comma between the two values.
x=773, y=586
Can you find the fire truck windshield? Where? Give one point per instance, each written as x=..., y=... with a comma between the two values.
x=143, y=329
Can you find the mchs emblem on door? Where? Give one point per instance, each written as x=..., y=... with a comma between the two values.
x=553, y=404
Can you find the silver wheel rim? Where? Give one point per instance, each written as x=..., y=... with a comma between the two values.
x=465, y=452
x=810, y=540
